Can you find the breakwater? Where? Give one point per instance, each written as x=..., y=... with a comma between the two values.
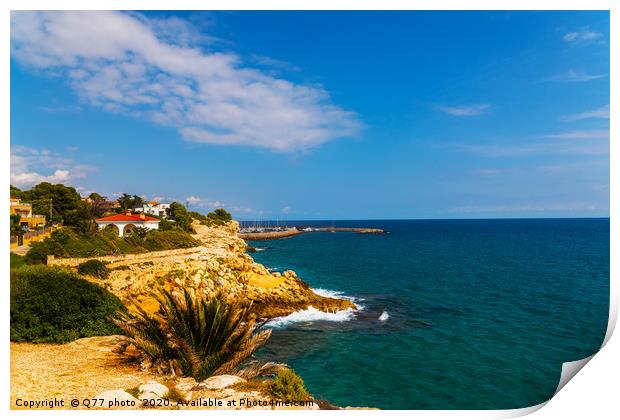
x=278, y=234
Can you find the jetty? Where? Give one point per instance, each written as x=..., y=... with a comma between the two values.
x=252, y=234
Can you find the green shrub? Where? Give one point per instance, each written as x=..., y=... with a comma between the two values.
x=134, y=392
x=38, y=252
x=170, y=239
x=94, y=268
x=288, y=386
x=198, y=216
x=182, y=218
x=17, y=261
x=67, y=242
x=54, y=305
x=217, y=217
x=139, y=232
x=193, y=336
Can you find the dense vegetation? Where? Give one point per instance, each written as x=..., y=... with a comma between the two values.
x=80, y=236
x=17, y=261
x=65, y=202
x=67, y=207
x=94, y=268
x=217, y=217
x=289, y=386
x=68, y=242
x=194, y=336
x=127, y=201
x=54, y=305
x=182, y=218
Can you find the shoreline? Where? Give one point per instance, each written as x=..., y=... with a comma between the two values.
x=219, y=264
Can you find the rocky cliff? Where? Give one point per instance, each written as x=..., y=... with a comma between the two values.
x=221, y=265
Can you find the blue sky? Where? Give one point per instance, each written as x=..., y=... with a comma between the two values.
x=319, y=115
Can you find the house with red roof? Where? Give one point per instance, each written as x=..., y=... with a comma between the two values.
x=126, y=222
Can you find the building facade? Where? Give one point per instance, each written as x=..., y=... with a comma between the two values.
x=27, y=220
x=126, y=222
x=155, y=208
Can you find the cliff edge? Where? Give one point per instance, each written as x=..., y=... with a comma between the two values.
x=220, y=265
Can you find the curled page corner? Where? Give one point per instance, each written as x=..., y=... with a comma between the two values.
x=522, y=412
x=570, y=369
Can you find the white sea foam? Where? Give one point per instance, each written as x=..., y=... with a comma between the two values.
x=329, y=293
x=339, y=295
x=384, y=316
x=260, y=249
x=310, y=315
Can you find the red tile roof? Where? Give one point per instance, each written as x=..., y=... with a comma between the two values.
x=123, y=217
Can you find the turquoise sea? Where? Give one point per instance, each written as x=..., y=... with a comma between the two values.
x=475, y=314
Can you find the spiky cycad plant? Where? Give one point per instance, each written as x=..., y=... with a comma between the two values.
x=196, y=335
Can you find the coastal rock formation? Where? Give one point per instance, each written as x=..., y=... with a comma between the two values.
x=219, y=382
x=152, y=389
x=221, y=265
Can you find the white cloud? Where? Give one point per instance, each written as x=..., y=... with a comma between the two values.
x=203, y=202
x=601, y=113
x=243, y=209
x=574, y=142
x=286, y=209
x=31, y=166
x=151, y=69
x=575, y=76
x=274, y=63
x=583, y=35
x=466, y=110
x=28, y=179
x=580, y=134
x=193, y=199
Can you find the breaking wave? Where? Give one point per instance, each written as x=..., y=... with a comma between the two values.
x=311, y=315
x=338, y=295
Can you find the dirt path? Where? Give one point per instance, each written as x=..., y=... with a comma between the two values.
x=80, y=369
x=21, y=250
x=84, y=368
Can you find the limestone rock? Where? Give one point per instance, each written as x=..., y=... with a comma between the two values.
x=220, y=265
x=185, y=387
x=149, y=396
x=152, y=387
x=220, y=382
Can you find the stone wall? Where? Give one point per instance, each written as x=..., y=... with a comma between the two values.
x=72, y=262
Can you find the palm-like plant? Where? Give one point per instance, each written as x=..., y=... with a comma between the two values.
x=194, y=336
x=139, y=232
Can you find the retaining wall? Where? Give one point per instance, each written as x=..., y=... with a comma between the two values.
x=72, y=262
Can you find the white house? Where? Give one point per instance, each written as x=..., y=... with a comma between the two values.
x=153, y=207
x=126, y=222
